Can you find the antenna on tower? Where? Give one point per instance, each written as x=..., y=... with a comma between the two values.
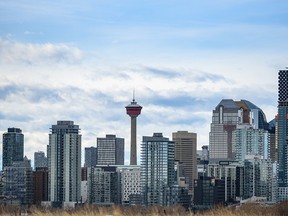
x=133, y=95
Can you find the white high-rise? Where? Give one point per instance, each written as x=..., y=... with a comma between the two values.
x=64, y=162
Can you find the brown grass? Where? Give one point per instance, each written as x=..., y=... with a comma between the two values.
x=89, y=210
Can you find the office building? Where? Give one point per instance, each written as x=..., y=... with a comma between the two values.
x=273, y=141
x=130, y=187
x=133, y=110
x=233, y=174
x=185, y=153
x=110, y=150
x=249, y=141
x=258, y=176
x=13, y=146
x=102, y=185
x=157, y=167
x=84, y=173
x=208, y=192
x=64, y=163
x=40, y=160
x=227, y=117
x=282, y=131
x=90, y=157
x=40, y=183
x=84, y=191
x=18, y=182
x=205, y=154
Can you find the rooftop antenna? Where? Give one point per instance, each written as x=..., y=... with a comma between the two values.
x=133, y=95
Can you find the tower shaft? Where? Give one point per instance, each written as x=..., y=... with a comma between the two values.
x=133, y=152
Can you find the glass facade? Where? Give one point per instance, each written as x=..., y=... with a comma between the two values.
x=13, y=146
x=157, y=166
x=39, y=160
x=103, y=185
x=249, y=141
x=227, y=117
x=258, y=178
x=282, y=130
x=90, y=157
x=18, y=182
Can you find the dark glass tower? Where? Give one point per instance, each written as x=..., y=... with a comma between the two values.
x=282, y=128
x=13, y=146
x=90, y=157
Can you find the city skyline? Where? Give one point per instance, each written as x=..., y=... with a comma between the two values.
x=81, y=62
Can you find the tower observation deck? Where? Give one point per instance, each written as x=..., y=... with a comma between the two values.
x=133, y=110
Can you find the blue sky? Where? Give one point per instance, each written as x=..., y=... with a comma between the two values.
x=81, y=60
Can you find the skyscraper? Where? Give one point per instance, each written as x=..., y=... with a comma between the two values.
x=185, y=153
x=157, y=167
x=258, y=178
x=39, y=160
x=133, y=110
x=13, y=146
x=90, y=157
x=227, y=117
x=102, y=185
x=64, y=162
x=282, y=132
x=18, y=182
x=40, y=183
x=249, y=141
x=110, y=150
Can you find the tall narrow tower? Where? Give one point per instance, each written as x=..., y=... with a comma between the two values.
x=133, y=110
x=64, y=162
x=282, y=129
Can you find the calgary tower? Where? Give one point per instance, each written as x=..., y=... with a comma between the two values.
x=133, y=110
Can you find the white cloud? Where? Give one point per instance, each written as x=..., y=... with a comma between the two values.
x=12, y=52
x=35, y=96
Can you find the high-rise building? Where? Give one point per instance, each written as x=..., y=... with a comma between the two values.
x=227, y=117
x=249, y=141
x=258, y=175
x=110, y=150
x=157, y=167
x=40, y=180
x=64, y=163
x=205, y=154
x=233, y=174
x=13, y=146
x=18, y=182
x=208, y=192
x=40, y=160
x=129, y=182
x=102, y=183
x=90, y=157
x=273, y=140
x=282, y=130
x=133, y=110
x=185, y=153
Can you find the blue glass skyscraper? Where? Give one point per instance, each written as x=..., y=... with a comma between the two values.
x=13, y=146
x=157, y=167
x=282, y=128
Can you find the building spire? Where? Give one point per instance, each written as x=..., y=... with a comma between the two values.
x=133, y=95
